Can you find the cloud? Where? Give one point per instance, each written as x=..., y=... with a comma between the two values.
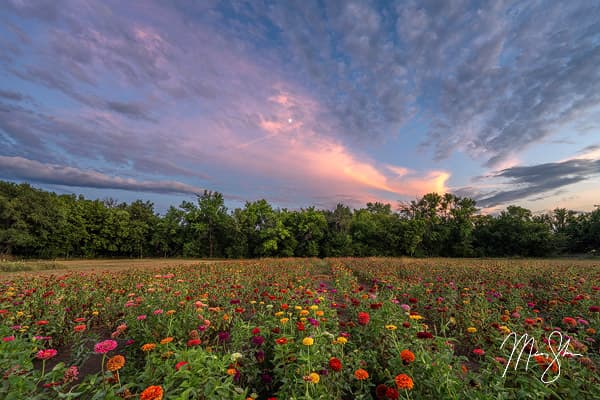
x=10, y=95
x=22, y=168
x=539, y=179
x=296, y=95
x=275, y=153
x=134, y=110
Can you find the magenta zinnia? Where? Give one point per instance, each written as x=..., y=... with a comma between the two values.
x=105, y=346
x=46, y=354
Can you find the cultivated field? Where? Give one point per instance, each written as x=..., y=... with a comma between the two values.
x=300, y=329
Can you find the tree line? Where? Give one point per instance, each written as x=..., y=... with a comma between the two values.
x=39, y=224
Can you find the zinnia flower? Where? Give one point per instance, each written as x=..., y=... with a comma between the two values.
x=424, y=335
x=148, y=347
x=314, y=377
x=105, y=346
x=71, y=374
x=391, y=394
x=404, y=381
x=79, y=328
x=361, y=374
x=471, y=329
x=363, y=318
x=407, y=356
x=180, y=364
x=46, y=354
x=308, y=341
x=115, y=363
x=479, y=352
x=193, y=342
x=166, y=340
x=380, y=391
x=152, y=393
x=341, y=340
x=544, y=361
x=335, y=364
x=258, y=340
x=281, y=340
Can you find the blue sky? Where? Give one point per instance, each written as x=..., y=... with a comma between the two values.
x=304, y=102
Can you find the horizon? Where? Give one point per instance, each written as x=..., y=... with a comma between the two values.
x=304, y=104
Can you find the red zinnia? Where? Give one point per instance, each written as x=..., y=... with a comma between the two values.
x=391, y=394
x=180, y=364
x=380, y=391
x=479, y=352
x=363, y=318
x=193, y=342
x=424, y=335
x=335, y=364
x=281, y=340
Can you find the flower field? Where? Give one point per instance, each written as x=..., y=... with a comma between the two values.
x=305, y=329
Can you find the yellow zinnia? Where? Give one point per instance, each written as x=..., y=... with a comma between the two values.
x=308, y=341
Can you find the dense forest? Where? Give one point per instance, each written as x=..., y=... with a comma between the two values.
x=39, y=224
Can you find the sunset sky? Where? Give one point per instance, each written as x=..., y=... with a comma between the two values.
x=304, y=102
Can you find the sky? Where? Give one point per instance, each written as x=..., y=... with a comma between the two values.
x=304, y=103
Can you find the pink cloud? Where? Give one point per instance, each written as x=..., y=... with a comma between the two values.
x=297, y=153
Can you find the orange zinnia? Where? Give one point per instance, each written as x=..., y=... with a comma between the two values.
x=115, y=363
x=404, y=381
x=166, y=340
x=148, y=347
x=361, y=374
x=407, y=356
x=152, y=393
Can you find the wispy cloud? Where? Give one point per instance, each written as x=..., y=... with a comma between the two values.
x=527, y=181
x=34, y=171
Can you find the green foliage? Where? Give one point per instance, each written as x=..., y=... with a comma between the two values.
x=38, y=224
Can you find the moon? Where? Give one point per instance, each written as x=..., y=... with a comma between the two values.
x=290, y=120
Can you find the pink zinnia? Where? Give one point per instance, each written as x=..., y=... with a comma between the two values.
x=46, y=354
x=141, y=317
x=8, y=338
x=105, y=346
